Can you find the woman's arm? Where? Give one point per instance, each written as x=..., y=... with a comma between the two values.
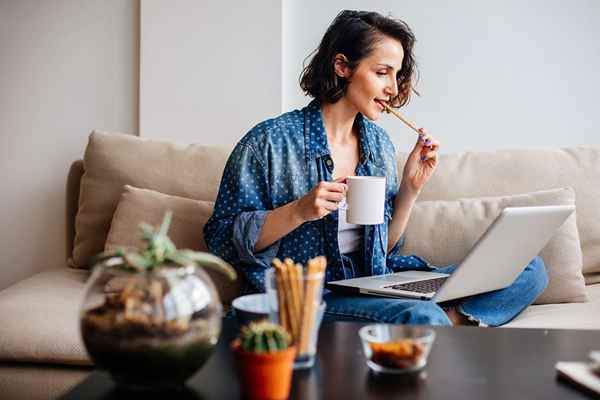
x=278, y=223
x=419, y=167
x=239, y=212
x=316, y=204
x=242, y=231
x=403, y=204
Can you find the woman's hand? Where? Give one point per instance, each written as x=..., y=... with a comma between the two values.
x=421, y=163
x=321, y=200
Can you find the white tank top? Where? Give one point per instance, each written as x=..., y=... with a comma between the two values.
x=350, y=236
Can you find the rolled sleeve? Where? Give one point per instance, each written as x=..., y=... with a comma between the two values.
x=246, y=231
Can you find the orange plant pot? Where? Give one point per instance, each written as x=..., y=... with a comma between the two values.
x=265, y=375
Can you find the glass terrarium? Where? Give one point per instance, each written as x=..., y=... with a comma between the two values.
x=152, y=318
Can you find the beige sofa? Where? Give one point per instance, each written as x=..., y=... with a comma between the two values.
x=40, y=348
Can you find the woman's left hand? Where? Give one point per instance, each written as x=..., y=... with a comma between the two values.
x=421, y=163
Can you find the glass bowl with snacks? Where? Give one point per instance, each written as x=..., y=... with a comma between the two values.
x=396, y=349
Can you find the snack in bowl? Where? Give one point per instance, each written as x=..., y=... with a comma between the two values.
x=396, y=348
x=405, y=353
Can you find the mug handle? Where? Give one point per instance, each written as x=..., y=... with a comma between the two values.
x=343, y=205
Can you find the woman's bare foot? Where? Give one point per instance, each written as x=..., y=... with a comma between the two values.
x=457, y=318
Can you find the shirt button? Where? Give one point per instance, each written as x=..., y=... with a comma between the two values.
x=329, y=162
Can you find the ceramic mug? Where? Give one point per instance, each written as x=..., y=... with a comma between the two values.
x=365, y=200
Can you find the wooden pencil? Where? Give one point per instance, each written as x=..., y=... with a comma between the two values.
x=401, y=117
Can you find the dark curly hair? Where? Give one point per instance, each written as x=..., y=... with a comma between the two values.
x=355, y=35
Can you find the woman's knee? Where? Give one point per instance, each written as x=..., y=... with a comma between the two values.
x=422, y=313
x=536, y=272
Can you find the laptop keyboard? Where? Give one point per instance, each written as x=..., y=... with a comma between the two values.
x=426, y=286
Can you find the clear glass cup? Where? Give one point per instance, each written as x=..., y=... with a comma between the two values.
x=313, y=309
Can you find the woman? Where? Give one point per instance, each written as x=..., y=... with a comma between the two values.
x=283, y=183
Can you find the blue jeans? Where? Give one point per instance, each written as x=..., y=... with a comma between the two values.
x=491, y=309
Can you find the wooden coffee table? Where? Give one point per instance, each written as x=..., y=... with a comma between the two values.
x=465, y=362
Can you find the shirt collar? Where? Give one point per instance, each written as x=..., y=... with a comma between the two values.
x=316, y=137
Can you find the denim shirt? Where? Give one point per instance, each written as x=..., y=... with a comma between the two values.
x=281, y=160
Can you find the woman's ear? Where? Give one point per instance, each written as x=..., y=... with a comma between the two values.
x=340, y=66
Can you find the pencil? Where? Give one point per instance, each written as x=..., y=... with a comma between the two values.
x=401, y=117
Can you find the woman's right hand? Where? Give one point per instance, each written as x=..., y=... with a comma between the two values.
x=321, y=200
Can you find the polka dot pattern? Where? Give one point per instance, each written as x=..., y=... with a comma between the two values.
x=280, y=160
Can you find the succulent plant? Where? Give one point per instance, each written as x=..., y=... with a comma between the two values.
x=159, y=251
x=264, y=337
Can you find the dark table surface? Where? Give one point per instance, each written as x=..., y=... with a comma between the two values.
x=465, y=362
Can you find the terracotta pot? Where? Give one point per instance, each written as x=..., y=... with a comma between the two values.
x=265, y=375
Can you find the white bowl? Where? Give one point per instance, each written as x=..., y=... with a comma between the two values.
x=251, y=307
x=254, y=307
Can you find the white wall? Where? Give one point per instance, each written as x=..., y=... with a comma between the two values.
x=209, y=70
x=66, y=67
x=507, y=74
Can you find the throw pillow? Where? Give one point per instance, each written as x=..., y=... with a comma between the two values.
x=112, y=160
x=443, y=232
x=506, y=172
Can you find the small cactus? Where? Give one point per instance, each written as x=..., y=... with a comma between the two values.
x=264, y=337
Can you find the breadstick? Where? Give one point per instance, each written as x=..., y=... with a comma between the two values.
x=295, y=296
x=300, y=287
x=292, y=297
x=323, y=265
x=287, y=293
x=281, y=300
x=309, y=305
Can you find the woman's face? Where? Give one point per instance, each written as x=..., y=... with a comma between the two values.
x=375, y=78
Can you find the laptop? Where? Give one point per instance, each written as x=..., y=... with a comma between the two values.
x=514, y=238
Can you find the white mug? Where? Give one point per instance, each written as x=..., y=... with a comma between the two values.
x=365, y=200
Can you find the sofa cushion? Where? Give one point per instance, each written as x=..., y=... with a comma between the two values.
x=40, y=318
x=506, y=172
x=112, y=160
x=39, y=382
x=562, y=316
x=194, y=171
x=189, y=217
x=590, y=279
x=443, y=232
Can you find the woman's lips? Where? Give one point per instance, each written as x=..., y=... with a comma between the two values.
x=380, y=104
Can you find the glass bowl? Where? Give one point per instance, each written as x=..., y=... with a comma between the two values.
x=396, y=349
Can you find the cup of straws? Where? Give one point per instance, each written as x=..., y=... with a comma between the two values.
x=294, y=294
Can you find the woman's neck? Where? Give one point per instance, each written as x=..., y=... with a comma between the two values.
x=338, y=119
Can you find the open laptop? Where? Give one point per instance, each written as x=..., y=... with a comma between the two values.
x=514, y=238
